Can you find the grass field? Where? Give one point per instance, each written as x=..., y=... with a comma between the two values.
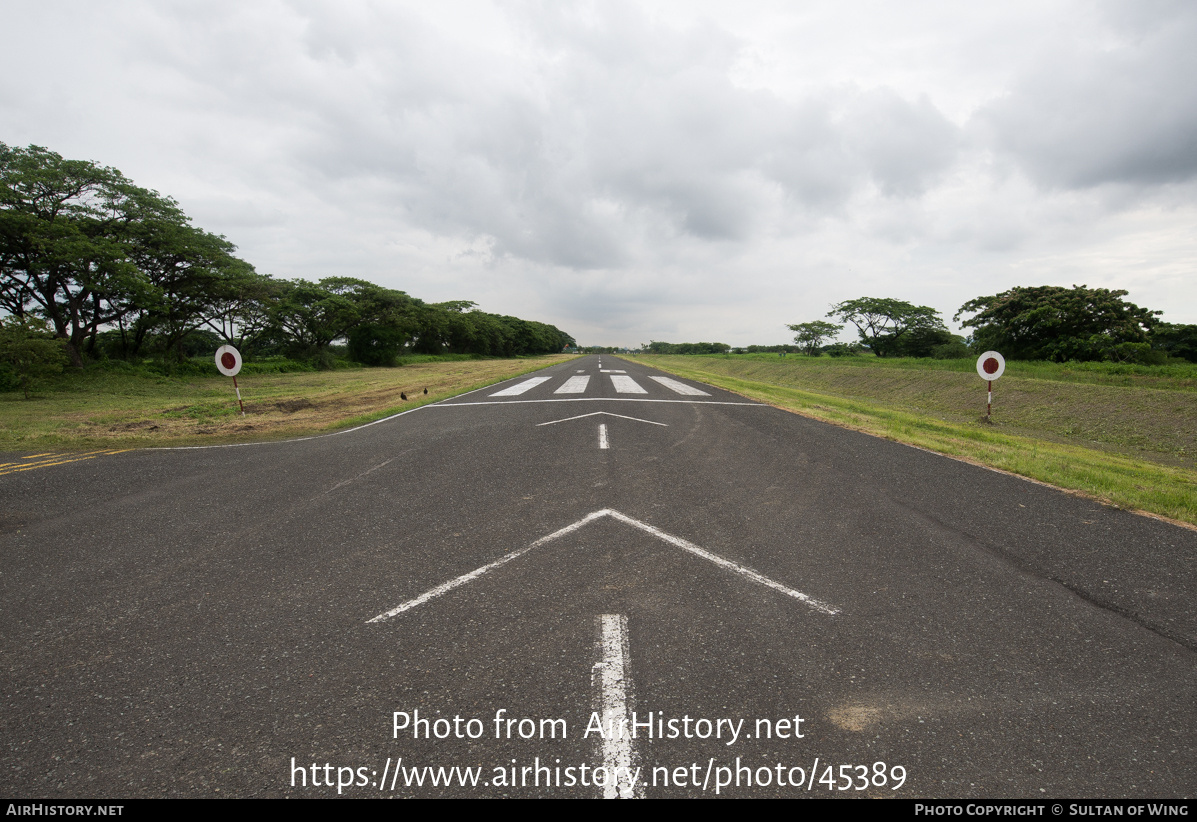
x=1125, y=436
x=105, y=409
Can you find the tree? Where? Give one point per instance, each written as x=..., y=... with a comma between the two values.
x=187, y=270
x=883, y=322
x=28, y=350
x=83, y=248
x=312, y=315
x=1176, y=340
x=810, y=336
x=63, y=252
x=1055, y=323
x=240, y=307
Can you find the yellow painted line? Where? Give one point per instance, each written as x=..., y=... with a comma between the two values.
x=30, y=457
x=64, y=459
x=72, y=458
x=21, y=460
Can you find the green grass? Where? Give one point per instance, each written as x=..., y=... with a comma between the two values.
x=138, y=407
x=1132, y=444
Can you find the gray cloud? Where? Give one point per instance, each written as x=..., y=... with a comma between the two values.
x=1093, y=112
x=688, y=170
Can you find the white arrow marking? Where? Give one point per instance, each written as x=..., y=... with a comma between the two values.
x=595, y=414
x=735, y=567
x=612, y=683
x=728, y=565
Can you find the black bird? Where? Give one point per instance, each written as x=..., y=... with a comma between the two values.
x=402, y=396
x=425, y=390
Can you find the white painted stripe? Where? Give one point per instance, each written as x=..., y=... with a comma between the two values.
x=447, y=404
x=520, y=387
x=612, y=682
x=626, y=385
x=608, y=371
x=680, y=387
x=734, y=567
x=444, y=588
x=603, y=436
x=364, y=473
x=601, y=413
x=742, y=570
x=574, y=385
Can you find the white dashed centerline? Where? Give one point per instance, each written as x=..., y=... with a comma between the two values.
x=612, y=683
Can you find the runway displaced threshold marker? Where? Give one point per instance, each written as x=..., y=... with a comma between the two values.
x=687, y=546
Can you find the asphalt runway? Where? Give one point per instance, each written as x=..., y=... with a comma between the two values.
x=455, y=601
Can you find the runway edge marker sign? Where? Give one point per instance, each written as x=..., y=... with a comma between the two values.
x=990, y=366
x=228, y=362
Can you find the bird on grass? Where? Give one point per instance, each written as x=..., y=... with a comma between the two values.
x=425, y=390
x=403, y=396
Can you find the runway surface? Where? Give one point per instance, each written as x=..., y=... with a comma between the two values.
x=777, y=607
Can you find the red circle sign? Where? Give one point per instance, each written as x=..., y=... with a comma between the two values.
x=990, y=365
x=228, y=360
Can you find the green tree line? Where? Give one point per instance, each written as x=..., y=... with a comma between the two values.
x=114, y=270
x=1024, y=323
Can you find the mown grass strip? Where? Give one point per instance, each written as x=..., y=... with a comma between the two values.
x=136, y=411
x=1116, y=479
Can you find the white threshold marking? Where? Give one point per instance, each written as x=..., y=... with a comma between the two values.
x=728, y=565
x=397, y=415
x=680, y=387
x=447, y=404
x=603, y=443
x=574, y=385
x=612, y=682
x=598, y=413
x=611, y=371
x=520, y=387
x=626, y=385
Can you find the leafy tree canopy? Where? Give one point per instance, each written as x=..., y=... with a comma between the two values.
x=117, y=270
x=1176, y=340
x=28, y=350
x=884, y=322
x=657, y=347
x=1051, y=322
x=810, y=336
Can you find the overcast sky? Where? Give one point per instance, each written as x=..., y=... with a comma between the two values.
x=646, y=170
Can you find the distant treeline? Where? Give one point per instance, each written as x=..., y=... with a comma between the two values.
x=117, y=271
x=1078, y=324
x=655, y=347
